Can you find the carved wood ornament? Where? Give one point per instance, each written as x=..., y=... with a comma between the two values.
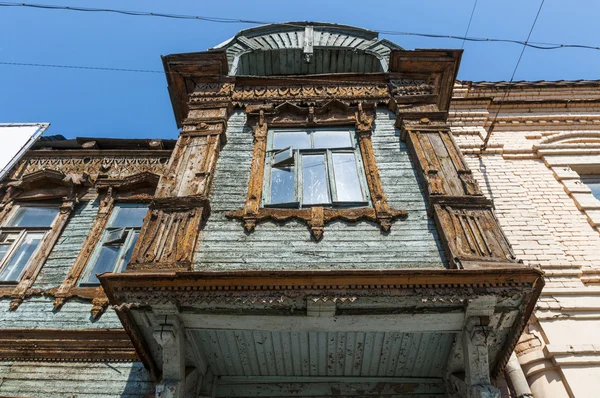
x=40, y=187
x=138, y=188
x=333, y=113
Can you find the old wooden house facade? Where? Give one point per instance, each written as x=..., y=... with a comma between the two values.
x=314, y=231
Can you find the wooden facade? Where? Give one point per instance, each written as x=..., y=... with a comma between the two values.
x=416, y=293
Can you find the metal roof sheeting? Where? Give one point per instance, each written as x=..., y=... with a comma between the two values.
x=303, y=353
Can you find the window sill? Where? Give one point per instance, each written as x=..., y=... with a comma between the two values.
x=318, y=217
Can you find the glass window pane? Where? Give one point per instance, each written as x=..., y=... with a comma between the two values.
x=282, y=185
x=3, y=250
x=294, y=139
x=593, y=182
x=595, y=187
x=332, y=139
x=105, y=262
x=347, y=183
x=13, y=269
x=128, y=216
x=33, y=217
x=314, y=180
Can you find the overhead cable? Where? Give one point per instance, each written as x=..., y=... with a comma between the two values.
x=510, y=85
x=538, y=45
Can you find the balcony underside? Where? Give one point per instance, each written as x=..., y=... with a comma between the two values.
x=312, y=334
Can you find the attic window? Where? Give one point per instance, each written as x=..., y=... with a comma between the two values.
x=314, y=167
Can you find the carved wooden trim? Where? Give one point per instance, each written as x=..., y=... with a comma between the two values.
x=442, y=165
x=69, y=289
x=332, y=113
x=89, y=345
x=472, y=236
x=172, y=226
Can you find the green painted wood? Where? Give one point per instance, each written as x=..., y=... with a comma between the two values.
x=89, y=380
x=68, y=246
x=224, y=245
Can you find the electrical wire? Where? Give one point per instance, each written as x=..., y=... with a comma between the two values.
x=510, y=85
x=537, y=45
x=469, y=24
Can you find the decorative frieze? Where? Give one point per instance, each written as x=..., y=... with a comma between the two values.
x=117, y=166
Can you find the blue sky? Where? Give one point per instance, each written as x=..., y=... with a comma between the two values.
x=136, y=105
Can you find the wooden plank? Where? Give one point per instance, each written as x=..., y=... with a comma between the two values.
x=450, y=322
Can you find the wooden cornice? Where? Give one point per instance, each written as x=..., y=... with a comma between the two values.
x=251, y=280
x=83, y=345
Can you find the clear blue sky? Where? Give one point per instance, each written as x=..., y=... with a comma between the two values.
x=127, y=105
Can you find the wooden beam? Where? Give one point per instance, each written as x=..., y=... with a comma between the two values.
x=443, y=322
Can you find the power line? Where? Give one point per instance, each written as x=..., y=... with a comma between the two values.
x=82, y=67
x=538, y=45
x=509, y=87
x=469, y=24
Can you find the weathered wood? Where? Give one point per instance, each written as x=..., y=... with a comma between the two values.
x=448, y=322
x=66, y=345
x=472, y=235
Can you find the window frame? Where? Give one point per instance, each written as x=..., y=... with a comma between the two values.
x=297, y=167
x=22, y=232
x=127, y=244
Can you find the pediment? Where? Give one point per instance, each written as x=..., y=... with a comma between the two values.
x=145, y=182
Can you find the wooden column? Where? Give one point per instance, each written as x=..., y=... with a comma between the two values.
x=170, y=230
x=465, y=219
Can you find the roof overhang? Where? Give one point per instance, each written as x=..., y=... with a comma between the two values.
x=405, y=301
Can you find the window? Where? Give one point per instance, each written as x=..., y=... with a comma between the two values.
x=20, y=239
x=306, y=168
x=116, y=244
x=593, y=183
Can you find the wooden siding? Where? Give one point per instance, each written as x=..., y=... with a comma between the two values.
x=82, y=380
x=38, y=312
x=69, y=245
x=318, y=354
x=224, y=245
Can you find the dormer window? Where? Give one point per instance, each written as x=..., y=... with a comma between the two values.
x=314, y=167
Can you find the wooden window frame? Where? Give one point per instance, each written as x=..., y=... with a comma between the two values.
x=298, y=168
x=138, y=188
x=332, y=114
x=39, y=188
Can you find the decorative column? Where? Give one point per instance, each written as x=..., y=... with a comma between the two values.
x=171, y=338
x=170, y=231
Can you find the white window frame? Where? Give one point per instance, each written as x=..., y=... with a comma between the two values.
x=126, y=245
x=22, y=232
x=329, y=170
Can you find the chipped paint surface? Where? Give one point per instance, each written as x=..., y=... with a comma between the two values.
x=59, y=380
x=223, y=244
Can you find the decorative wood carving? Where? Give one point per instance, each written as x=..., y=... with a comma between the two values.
x=472, y=235
x=39, y=187
x=170, y=234
x=443, y=168
x=332, y=113
x=76, y=162
x=138, y=188
x=95, y=345
x=316, y=217
x=241, y=93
